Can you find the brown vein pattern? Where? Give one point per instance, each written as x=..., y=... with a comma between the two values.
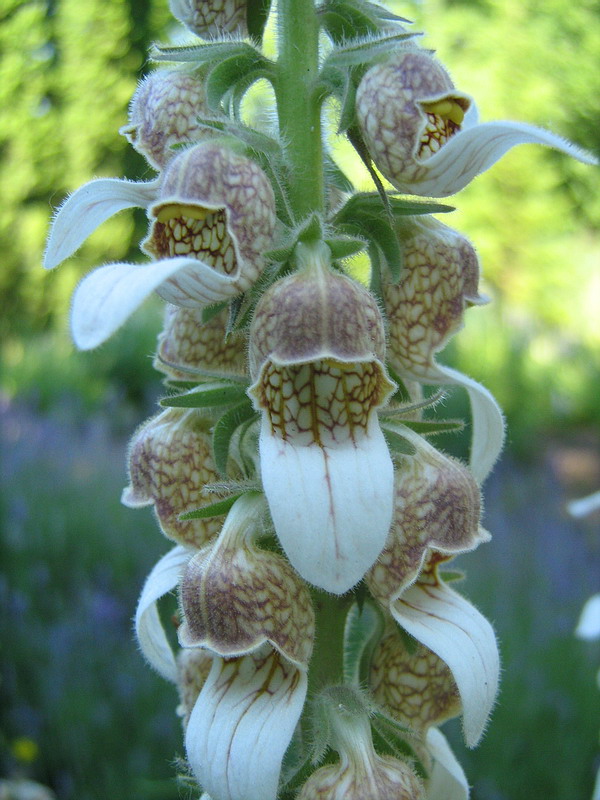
x=440, y=278
x=379, y=778
x=170, y=461
x=216, y=205
x=436, y=507
x=164, y=112
x=235, y=597
x=208, y=18
x=417, y=687
x=188, y=342
x=193, y=666
x=323, y=402
x=399, y=133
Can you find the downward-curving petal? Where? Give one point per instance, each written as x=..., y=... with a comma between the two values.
x=331, y=504
x=242, y=724
x=148, y=627
x=449, y=625
x=447, y=781
x=474, y=150
x=108, y=296
x=90, y=206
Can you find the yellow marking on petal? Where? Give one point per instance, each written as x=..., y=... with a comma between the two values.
x=446, y=109
x=180, y=210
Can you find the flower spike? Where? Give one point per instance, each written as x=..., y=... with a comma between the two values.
x=316, y=356
x=420, y=133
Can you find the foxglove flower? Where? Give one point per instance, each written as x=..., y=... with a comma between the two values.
x=170, y=462
x=423, y=134
x=425, y=308
x=164, y=112
x=208, y=18
x=249, y=608
x=361, y=772
x=187, y=346
x=317, y=360
x=436, y=515
x=212, y=217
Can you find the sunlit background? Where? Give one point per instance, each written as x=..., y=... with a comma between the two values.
x=79, y=711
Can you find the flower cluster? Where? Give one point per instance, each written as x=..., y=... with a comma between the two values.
x=320, y=641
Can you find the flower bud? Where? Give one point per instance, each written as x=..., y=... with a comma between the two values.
x=187, y=345
x=217, y=207
x=170, y=462
x=211, y=17
x=163, y=112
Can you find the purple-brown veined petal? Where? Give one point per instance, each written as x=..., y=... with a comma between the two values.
x=108, y=296
x=460, y=635
x=87, y=208
x=242, y=724
x=151, y=635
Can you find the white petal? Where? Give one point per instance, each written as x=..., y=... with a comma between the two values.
x=332, y=505
x=450, y=626
x=148, y=627
x=475, y=149
x=487, y=422
x=588, y=626
x=242, y=724
x=584, y=506
x=447, y=780
x=87, y=208
x=108, y=296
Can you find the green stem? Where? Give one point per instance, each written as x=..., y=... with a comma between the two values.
x=326, y=665
x=298, y=106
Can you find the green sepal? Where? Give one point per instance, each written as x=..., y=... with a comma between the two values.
x=255, y=140
x=451, y=575
x=223, y=78
x=311, y=229
x=401, y=395
x=345, y=246
x=213, y=510
x=209, y=312
x=362, y=631
x=348, y=102
x=208, y=53
x=207, y=395
x=257, y=14
x=365, y=50
x=431, y=427
x=390, y=737
x=397, y=443
x=224, y=429
x=343, y=20
x=371, y=203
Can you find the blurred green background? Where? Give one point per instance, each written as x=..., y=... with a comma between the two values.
x=79, y=711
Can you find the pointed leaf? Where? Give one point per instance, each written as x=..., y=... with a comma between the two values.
x=362, y=630
x=365, y=51
x=226, y=427
x=213, y=510
x=209, y=52
x=206, y=396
